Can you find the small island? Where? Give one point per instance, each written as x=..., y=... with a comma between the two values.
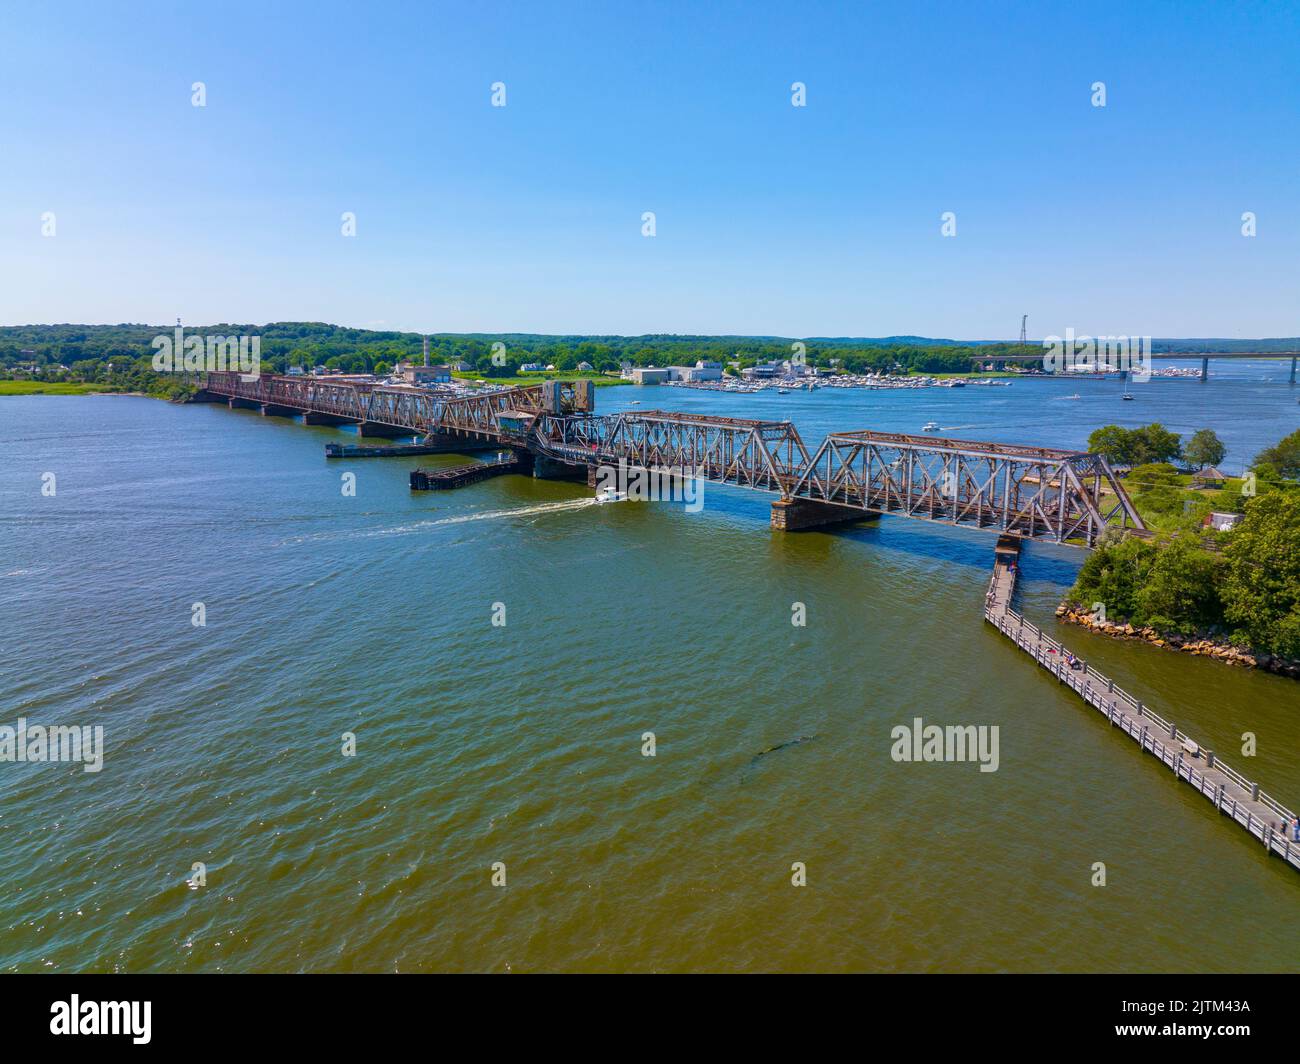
x=1220, y=575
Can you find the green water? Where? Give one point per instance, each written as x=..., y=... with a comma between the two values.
x=522, y=743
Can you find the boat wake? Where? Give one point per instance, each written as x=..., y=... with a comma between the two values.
x=413, y=527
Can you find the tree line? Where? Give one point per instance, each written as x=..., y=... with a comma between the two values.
x=82, y=348
x=1242, y=585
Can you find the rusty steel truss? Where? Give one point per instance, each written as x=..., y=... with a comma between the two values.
x=1034, y=492
x=425, y=412
x=749, y=454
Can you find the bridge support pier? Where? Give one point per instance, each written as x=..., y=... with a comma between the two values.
x=378, y=431
x=447, y=443
x=1293, y=361
x=271, y=410
x=242, y=404
x=1205, y=369
x=794, y=515
x=545, y=468
x=313, y=418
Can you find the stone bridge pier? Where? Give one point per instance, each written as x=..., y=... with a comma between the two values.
x=795, y=515
x=546, y=468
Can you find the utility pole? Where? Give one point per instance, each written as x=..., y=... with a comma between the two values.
x=1024, y=320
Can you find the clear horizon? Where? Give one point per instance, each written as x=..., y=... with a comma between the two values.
x=770, y=219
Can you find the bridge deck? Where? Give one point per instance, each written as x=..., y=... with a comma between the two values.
x=1230, y=792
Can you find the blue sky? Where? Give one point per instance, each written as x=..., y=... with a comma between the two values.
x=771, y=219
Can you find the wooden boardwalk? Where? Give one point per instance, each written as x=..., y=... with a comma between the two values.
x=1232, y=794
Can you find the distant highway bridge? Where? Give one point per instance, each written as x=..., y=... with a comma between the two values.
x=1001, y=360
x=1032, y=492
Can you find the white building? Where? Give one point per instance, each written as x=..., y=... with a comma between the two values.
x=694, y=373
x=1222, y=522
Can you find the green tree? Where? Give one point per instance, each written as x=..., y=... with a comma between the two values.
x=1152, y=474
x=1283, y=456
x=1140, y=446
x=1181, y=589
x=1261, y=587
x=1113, y=443
x=1114, y=575
x=1155, y=443
x=1204, y=449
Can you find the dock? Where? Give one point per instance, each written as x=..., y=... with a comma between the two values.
x=1236, y=797
x=460, y=476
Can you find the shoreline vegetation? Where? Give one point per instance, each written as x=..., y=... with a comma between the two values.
x=1220, y=576
x=1202, y=644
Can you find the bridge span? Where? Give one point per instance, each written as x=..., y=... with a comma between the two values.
x=1033, y=492
x=1001, y=361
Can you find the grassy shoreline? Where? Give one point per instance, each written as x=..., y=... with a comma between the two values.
x=52, y=388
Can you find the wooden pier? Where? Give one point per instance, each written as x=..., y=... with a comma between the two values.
x=1232, y=794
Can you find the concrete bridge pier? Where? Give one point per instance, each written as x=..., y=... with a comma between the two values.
x=242, y=404
x=1205, y=369
x=795, y=515
x=272, y=410
x=313, y=418
x=1293, y=360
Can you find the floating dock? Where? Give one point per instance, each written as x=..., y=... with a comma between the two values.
x=1266, y=819
x=460, y=476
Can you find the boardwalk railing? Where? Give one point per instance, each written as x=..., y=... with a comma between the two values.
x=1231, y=792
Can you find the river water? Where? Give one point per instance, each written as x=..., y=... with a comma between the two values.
x=522, y=743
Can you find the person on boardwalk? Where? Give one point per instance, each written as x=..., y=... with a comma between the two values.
x=1295, y=829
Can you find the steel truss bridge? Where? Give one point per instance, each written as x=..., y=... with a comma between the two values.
x=421, y=412
x=1033, y=492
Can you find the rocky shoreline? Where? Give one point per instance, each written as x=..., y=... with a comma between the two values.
x=1203, y=645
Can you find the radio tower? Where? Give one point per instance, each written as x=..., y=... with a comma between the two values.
x=1024, y=319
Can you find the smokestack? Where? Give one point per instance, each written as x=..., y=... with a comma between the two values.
x=426, y=350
